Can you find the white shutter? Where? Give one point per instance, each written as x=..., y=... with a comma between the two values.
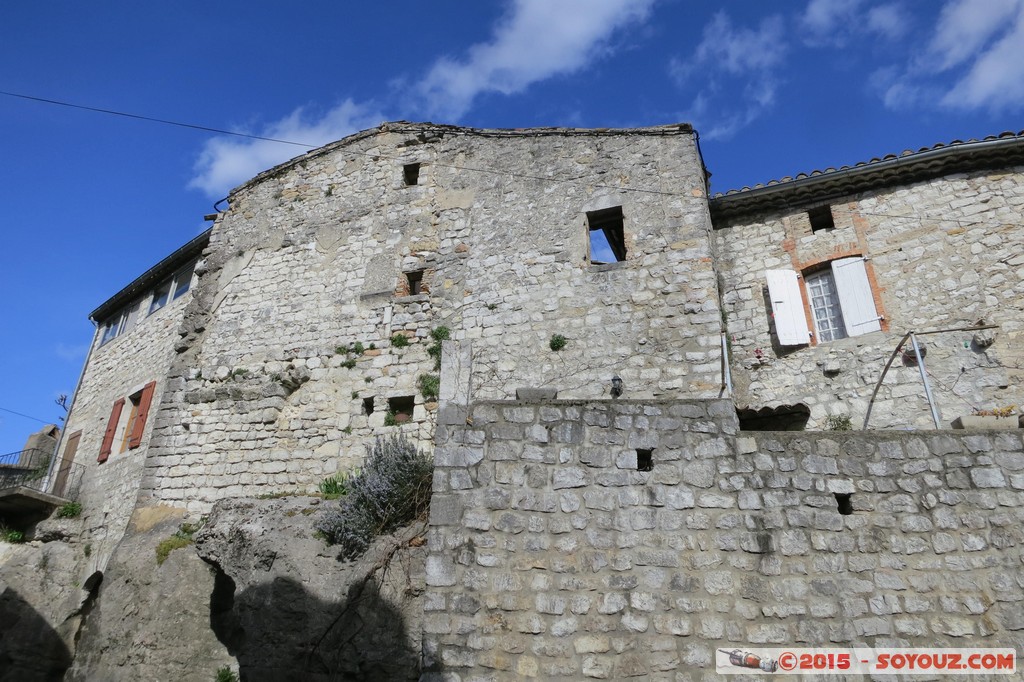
x=855, y=297
x=787, y=307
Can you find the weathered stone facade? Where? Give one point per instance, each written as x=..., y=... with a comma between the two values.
x=270, y=390
x=554, y=557
x=942, y=253
x=592, y=535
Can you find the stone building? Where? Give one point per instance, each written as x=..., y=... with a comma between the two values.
x=410, y=278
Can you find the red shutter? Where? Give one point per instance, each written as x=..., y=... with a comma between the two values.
x=135, y=437
x=108, y=436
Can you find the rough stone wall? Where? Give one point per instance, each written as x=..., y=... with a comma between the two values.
x=553, y=557
x=269, y=392
x=115, y=370
x=944, y=253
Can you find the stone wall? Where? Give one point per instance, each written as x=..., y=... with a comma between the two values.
x=289, y=341
x=117, y=369
x=553, y=557
x=942, y=253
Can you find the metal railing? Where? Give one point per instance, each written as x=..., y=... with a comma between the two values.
x=30, y=469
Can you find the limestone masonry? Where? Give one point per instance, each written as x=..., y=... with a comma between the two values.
x=605, y=362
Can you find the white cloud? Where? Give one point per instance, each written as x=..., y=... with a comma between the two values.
x=732, y=60
x=996, y=78
x=889, y=21
x=965, y=26
x=973, y=60
x=71, y=352
x=226, y=162
x=538, y=39
x=829, y=21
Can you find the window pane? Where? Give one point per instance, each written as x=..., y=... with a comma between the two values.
x=160, y=297
x=183, y=280
x=828, y=317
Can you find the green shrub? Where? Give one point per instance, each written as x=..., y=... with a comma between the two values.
x=557, y=342
x=335, y=486
x=226, y=674
x=181, y=538
x=390, y=419
x=430, y=385
x=349, y=364
x=357, y=348
x=12, y=536
x=399, y=340
x=838, y=422
x=71, y=510
x=392, y=489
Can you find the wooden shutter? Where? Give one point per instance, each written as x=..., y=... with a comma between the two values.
x=787, y=307
x=855, y=299
x=108, y=436
x=65, y=463
x=135, y=438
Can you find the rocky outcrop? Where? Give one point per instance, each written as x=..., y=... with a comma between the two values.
x=287, y=609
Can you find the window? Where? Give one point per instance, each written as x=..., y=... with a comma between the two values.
x=134, y=425
x=414, y=280
x=133, y=417
x=172, y=288
x=401, y=408
x=821, y=218
x=607, y=235
x=120, y=322
x=826, y=312
x=411, y=174
x=839, y=299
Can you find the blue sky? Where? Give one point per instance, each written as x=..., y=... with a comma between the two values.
x=89, y=201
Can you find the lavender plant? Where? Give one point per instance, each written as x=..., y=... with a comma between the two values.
x=393, y=488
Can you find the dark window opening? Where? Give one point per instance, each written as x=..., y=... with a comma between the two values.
x=821, y=218
x=644, y=460
x=844, y=503
x=607, y=235
x=415, y=281
x=401, y=408
x=411, y=172
x=781, y=418
x=368, y=405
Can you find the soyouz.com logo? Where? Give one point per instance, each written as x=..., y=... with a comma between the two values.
x=744, y=661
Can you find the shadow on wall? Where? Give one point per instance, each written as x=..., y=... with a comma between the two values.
x=30, y=650
x=278, y=632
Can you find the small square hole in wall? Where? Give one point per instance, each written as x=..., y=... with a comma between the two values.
x=368, y=405
x=414, y=280
x=844, y=504
x=644, y=460
x=401, y=407
x=821, y=218
x=411, y=173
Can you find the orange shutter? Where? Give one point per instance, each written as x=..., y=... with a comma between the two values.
x=108, y=436
x=135, y=438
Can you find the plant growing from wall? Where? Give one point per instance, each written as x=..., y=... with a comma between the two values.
x=439, y=334
x=838, y=422
x=392, y=489
x=399, y=340
x=181, y=538
x=557, y=342
x=430, y=385
x=71, y=510
x=390, y=419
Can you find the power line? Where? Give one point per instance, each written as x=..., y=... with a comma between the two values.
x=41, y=421
x=155, y=120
